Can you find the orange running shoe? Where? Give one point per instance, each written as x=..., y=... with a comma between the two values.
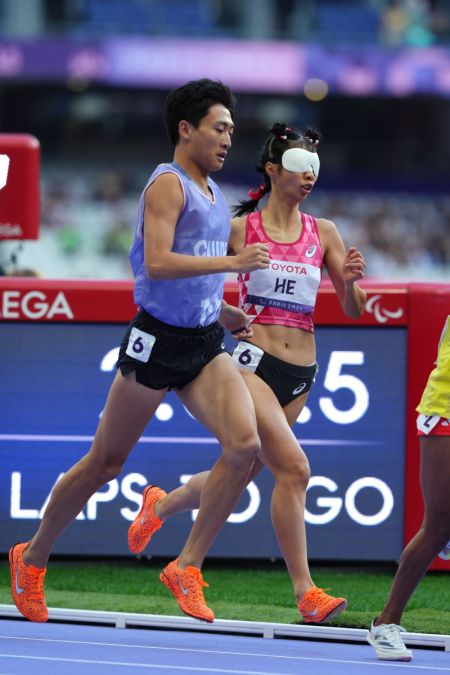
x=27, y=586
x=316, y=606
x=186, y=586
x=146, y=523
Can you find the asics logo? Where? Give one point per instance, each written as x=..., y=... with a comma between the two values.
x=310, y=613
x=184, y=590
x=19, y=589
x=310, y=251
x=299, y=389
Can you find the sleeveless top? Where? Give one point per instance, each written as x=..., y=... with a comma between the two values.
x=285, y=293
x=436, y=396
x=202, y=229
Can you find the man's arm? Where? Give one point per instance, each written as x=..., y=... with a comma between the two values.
x=164, y=202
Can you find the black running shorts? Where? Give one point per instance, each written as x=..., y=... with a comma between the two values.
x=165, y=356
x=287, y=380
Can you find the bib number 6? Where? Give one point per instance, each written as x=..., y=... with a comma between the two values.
x=245, y=357
x=140, y=345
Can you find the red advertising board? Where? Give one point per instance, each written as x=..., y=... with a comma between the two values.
x=19, y=186
x=418, y=309
x=31, y=299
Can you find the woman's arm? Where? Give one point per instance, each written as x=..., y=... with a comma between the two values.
x=345, y=268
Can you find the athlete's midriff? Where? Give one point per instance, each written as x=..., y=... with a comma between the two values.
x=292, y=345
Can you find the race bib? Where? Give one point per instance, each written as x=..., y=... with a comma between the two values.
x=247, y=356
x=140, y=345
x=426, y=423
x=284, y=285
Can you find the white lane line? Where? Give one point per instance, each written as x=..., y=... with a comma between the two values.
x=382, y=664
x=221, y=652
x=88, y=439
x=158, y=666
x=199, y=440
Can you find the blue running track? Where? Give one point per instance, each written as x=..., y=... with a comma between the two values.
x=64, y=649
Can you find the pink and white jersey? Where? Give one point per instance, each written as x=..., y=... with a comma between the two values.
x=285, y=293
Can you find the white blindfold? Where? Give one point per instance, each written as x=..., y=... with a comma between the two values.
x=299, y=160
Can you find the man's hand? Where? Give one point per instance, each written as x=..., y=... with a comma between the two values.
x=236, y=321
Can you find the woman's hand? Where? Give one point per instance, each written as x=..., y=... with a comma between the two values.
x=354, y=266
x=251, y=258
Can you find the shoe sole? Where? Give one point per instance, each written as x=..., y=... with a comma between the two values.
x=387, y=656
x=139, y=515
x=167, y=583
x=333, y=614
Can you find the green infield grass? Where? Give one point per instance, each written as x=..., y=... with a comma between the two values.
x=256, y=591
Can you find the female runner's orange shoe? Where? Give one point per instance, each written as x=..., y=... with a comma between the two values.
x=146, y=523
x=316, y=606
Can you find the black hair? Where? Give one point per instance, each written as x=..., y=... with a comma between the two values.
x=280, y=139
x=192, y=101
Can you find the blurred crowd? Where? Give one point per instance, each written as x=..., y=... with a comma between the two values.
x=390, y=22
x=403, y=235
x=87, y=228
x=416, y=23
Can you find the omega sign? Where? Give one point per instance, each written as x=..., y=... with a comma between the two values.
x=34, y=305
